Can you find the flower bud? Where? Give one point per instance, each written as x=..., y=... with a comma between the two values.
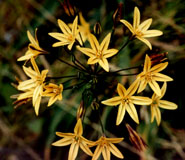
x=117, y=14
x=80, y=111
x=97, y=29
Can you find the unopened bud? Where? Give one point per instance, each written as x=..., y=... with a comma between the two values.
x=158, y=58
x=80, y=111
x=135, y=139
x=97, y=29
x=68, y=8
x=117, y=14
x=95, y=105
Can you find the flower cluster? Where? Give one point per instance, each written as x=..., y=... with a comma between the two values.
x=77, y=38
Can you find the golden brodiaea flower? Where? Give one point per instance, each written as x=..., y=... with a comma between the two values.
x=106, y=146
x=34, y=86
x=140, y=31
x=126, y=102
x=99, y=53
x=158, y=103
x=68, y=36
x=84, y=28
x=54, y=92
x=76, y=140
x=33, y=48
x=151, y=74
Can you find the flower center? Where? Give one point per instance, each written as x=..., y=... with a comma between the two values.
x=148, y=76
x=138, y=32
x=126, y=100
x=99, y=54
x=70, y=38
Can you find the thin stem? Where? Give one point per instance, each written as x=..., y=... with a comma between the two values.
x=62, y=77
x=124, y=69
x=124, y=45
x=74, y=86
x=101, y=124
x=131, y=74
x=69, y=64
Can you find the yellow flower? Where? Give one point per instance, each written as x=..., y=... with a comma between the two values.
x=150, y=75
x=126, y=102
x=54, y=92
x=158, y=103
x=99, y=52
x=76, y=140
x=140, y=31
x=34, y=85
x=33, y=49
x=106, y=146
x=84, y=28
x=68, y=36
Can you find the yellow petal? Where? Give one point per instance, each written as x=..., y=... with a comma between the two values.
x=97, y=152
x=106, y=153
x=27, y=94
x=128, y=25
x=142, y=85
x=94, y=43
x=35, y=65
x=37, y=93
x=112, y=101
x=78, y=130
x=155, y=87
x=141, y=100
x=37, y=105
x=28, y=84
x=58, y=36
x=167, y=105
x=145, y=41
x=132, y=89
x=87, y=51
x=147, y=64
x=163, y=89
x=114, y=140
x=105, y=43
x=63, y=142
x=85, y=148
x=159, y=67
x=109, y=53
x=29, y=72
x=93, y=60
x=130, y=108
x=152, y=33
x=104, y=64
x=52, y=100
x=74, y=27
x=65, y=29
x=161, y=77
x=30, y=37
x=60, y=134
x=121, y=90
x=145, y=25
x=115, y=151
x=121, y=114
x=158, y=115
x=73, y=151
x=70, y=45
x=152, y=109
x=58, y=44
x=27, y=56
x=136, y=19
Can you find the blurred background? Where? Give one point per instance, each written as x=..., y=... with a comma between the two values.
x=24, y=136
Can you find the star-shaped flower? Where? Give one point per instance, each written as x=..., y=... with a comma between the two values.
x=151, y=74
x=76, y=140
x=106, y=146
x=126, y=102
x=68, y=36
x=158, y=103
x=33, y=48
x=54, y=92
x=99, y=53
x=34, y=85
x=140, y=31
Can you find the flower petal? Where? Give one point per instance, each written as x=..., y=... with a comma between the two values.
x=147, y=64
x=78, y=127
x=145, y=25
x=112, y=101
x=155, y=87
x=132, y=89
x=128, y=25
x=141, y=100
x=87, y=51
x=65, y=29
x=93, y=42
x=105, y=43
x=121, y=114
x=167, y=105
x=63, y=142
x=159, y=67
x=152, y=33
x=136, y=19
x=73, y=151
x=30, y=37
x=97, y=152
x=109, y=53
x=106, y=153
x=93, y=60
x=104, y=64
x=145, y=41
x=115, y=151
x=130, y=108
x=121, y=90
x=85, y=148
x=161, y=77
